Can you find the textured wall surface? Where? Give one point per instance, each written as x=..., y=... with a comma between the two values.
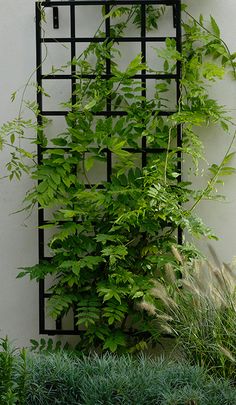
x=220, y=216
x=18, y=235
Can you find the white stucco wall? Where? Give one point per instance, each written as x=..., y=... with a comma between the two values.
x=18, y=238
x=18, y=243
x=220, y=216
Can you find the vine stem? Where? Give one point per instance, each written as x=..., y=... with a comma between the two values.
x=167, y=156
x=210, y=184
x=25, y=87
x=215, y=36
x=214, y=178
x=130, y=15
x=111, y=91
x=85, y=172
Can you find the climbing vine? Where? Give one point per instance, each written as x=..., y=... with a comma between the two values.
x=111, y=238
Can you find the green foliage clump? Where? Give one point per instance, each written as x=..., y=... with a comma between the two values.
x=112, y=237
x=13, y=374
x=62, y=379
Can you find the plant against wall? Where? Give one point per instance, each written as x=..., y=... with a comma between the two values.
x=199, y=311
x=113, y=237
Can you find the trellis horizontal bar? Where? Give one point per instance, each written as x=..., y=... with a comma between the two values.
x=103, y=113
x=105, y=150
x=88, y=76
x=77, y=332
x=108, y=2
x=97, y=39
x=51, y=332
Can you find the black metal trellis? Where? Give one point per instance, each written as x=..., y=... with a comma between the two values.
x=144, y=77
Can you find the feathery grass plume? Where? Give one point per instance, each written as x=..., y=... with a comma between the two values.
x=164, y=317
x=190, y=286
x=220, y=281
x=167, y=329
x=202, y=275
x=147, y=306
x=176, y=254
x=170, y=273
x=227, y=353
x=200, y=309
x=218, y=298
x=159, y=288
x=160, y=291
x=229, y=270
x=230, y=277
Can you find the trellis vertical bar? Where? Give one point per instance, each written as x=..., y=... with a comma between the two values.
x=108, y=72
x=73, y=53
x=38, y=16
x=143, y=80
x=178, y=92
x=73, y=78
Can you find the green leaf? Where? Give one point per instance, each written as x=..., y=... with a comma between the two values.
x=88, y=312
x=115, y=252
x=25, y=153
x=117, y=12
x=114, y=313
x=215, y=27
x=13, y=96
x=228, y=158
x=90, y=261
x=88, y=163
x=66, y=230
x=135, y=66
x=38, y=271
x=113, y=342
x=59, y=141
x=212, y=71
x=12, y=138
x=68, y=213
x=42, y=187
x=110, y=293
x=59, y=305
x=201, y=19
x=90, y=105
x=224, y=126
x=138, y=294
x=104, y=238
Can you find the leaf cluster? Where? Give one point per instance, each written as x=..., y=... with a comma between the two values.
x=112, y=237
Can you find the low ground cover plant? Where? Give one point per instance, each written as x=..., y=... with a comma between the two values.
x=200, y=311
x=65, y=379
x=60, y=379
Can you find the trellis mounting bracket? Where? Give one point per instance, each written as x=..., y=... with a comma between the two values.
x=174, y=15
x=55, y=17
